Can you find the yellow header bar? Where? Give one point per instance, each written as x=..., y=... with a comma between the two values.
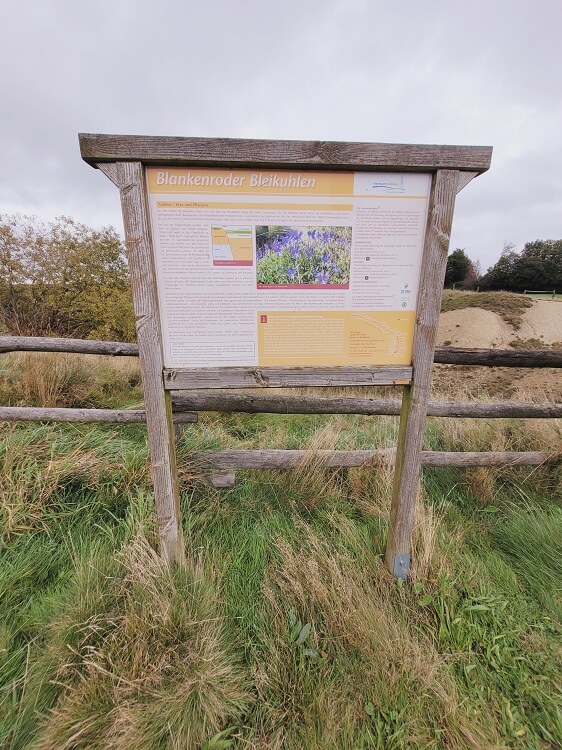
x=248, y=181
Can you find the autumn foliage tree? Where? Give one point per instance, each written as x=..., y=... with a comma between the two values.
x=63, y=279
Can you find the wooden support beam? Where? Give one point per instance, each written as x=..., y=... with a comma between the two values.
x=129, y=178
x=283, y=377
x=416, y=396
x=464, y=179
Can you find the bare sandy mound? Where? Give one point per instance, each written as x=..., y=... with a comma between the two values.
x=542, y=321
x=474, y=327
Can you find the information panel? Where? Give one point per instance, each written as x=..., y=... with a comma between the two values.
x=286, y=268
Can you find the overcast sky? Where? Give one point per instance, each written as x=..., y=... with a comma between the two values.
x=448, y=72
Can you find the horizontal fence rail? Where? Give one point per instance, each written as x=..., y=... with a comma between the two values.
x=56, y=414
x=222, y=463
x=69, y=346
x=444, y=355
x=186, y=406
x=334, y=459
x=258, y=404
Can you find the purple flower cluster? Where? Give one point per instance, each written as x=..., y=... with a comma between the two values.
x=292, y=255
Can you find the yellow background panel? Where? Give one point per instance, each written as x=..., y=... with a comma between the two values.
x=331, y=338
x=241, y=247
x=317, y=183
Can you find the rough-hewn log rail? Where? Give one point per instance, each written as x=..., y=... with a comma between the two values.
x=331, y=459
x=257, y=404
x=68, y=346
x=239, y=152
x=56, y=414
x=185, y=409
x=443, y=355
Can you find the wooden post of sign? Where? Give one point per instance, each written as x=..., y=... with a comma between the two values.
x=416, y=395
x=129, y=178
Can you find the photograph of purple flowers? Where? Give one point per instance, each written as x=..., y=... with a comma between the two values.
x=303, y=257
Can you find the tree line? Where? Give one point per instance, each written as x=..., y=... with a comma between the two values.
x=63, y=278
x=538, y=266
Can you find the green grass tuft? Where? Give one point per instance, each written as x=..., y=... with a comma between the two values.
x=285, y=631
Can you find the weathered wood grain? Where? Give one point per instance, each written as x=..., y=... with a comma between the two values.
x=107, y=416
x=464, y=179
x=129, y=176
x=252, y=403
x=231, y=460
x=434, y=459
x=445, y=355
x=416, y=395
x=498, y=358
x=238, y=152
x=69, y=346
x=185, y=409
x=282, y=377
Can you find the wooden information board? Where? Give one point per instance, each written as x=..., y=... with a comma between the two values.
x=278, y=264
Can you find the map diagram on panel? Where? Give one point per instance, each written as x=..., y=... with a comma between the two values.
x=232, y=245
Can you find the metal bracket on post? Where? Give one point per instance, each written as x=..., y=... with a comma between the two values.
x=401, y=566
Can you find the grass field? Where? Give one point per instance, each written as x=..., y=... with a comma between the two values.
x=285, y=630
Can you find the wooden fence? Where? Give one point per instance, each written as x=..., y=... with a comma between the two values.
x=220, y=464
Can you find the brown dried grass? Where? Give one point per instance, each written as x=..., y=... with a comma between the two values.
x=152, y=666
x=366, y=626
x=66, y=380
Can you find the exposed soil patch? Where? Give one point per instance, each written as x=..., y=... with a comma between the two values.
x=542, y=321
x=462, y=383
x=539, y=326
x=467, y=324
x=475, y=328
x=511, y=307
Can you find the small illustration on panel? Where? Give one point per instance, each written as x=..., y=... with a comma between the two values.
x=232, y=245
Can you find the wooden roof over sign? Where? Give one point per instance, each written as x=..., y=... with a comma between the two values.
x=238, y=152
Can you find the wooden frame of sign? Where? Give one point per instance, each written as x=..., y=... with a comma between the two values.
x=124, y=159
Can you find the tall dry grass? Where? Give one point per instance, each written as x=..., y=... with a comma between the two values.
x=146, y=661
x=66, y=380
x=365, y=636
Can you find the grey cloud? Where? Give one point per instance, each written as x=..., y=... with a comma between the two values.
x=455, y=72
